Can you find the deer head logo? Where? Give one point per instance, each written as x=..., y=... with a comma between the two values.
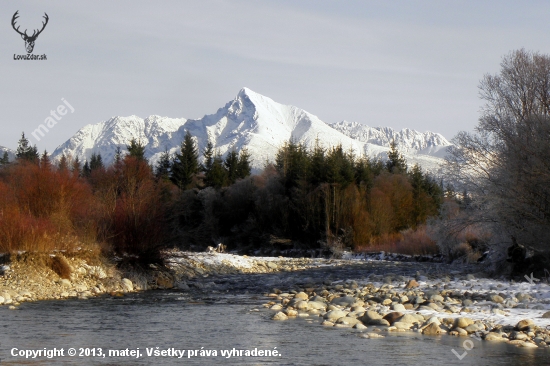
x=29, y=40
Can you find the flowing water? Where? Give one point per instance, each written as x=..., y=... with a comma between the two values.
x=220, y=318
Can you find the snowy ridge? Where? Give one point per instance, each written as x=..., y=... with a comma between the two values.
x=11, y=153
x=251, y=121
x=407, y=140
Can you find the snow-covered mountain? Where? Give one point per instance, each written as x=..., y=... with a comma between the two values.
x=407, y=140
x=11, y=153
x=253, y=121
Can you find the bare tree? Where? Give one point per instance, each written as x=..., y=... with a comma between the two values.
x=505, y=163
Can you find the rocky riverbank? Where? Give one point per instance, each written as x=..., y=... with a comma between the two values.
x=27, y=277
x=33, y=277
x=453, y=303
x=372, y=297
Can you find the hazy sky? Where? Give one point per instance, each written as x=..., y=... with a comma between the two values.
x=413, y=64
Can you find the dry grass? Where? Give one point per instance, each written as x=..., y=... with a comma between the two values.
x=410, y=242
x=61, y=266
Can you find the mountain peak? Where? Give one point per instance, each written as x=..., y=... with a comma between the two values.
x=255, y=98
x=251, y=121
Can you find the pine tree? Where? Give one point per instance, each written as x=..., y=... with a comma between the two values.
x=63, y=165
x=318, y=169
x=25, y=151
x=243, y=165
x=186, y=163
x=5, y=160
x=96, y=162
x=76, y=168
x=136, y=149
x=416, y=178
x=364, y=174
x=86, y=170
x=396, y=162
x=164, y=166
x=117, y=162
x=208, y=155
x=118, y=155
x=292, y=162
x=45, y=161
x=339, y=166
x=230, y=163
x=217, y=177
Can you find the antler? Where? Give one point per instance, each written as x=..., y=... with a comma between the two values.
x=15, y=16
x=34, y=34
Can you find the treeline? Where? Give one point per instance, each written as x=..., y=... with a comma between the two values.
x=312, y=199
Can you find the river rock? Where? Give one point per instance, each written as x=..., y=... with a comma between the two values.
x=411, y=284
x=291, y=313
x=25, y=293
x=472, y=328
x=408, y=318
x=402, y=325
x=383, y=322
x=433, y=319
x=524, y=324
x=348, y=320
x=467, y=302
x=1, y=300
x=371, y=335
x=358, y=309
x=343, y=301
x=370, y=315
x=316, y=305
x=127, y=285
x=496, y=298
x=280, y=316
x=519, y=335
x=461, y=332
x=392, y=317
x=520, y=343
x=302, y=305
x=301, y=296
x=492, y=336
x=398, y=307
x=432, y=329
x=546, y=315
x=463, y=322
x=81, y=288
x=318, y=298
x=333, y=315
x=65, y=282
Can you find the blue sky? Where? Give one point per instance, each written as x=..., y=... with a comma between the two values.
x=414, y=64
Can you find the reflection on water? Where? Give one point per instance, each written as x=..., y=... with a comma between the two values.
x=171, y=320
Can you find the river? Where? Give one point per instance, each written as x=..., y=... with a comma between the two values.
x=224, y=316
